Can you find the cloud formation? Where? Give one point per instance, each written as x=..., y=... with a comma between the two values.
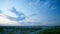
x=34, y=12
x=21, y=15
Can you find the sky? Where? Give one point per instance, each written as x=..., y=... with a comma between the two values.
x=30, y=12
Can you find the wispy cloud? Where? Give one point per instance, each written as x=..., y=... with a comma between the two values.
x=32, y=12
x=21, y=15
x=6, y=22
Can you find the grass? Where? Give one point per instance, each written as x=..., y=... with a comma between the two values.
x=51, y=31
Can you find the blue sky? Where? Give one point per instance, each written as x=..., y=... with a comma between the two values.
x=37, y=12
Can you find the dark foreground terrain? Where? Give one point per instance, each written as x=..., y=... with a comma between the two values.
x=29, y=30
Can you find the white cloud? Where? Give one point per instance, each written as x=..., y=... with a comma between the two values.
x=6, y=22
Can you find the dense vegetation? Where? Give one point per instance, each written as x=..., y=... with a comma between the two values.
x=51, y=31
x=29, y=30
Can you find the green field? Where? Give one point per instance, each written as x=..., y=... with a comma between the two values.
x=51, y=31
